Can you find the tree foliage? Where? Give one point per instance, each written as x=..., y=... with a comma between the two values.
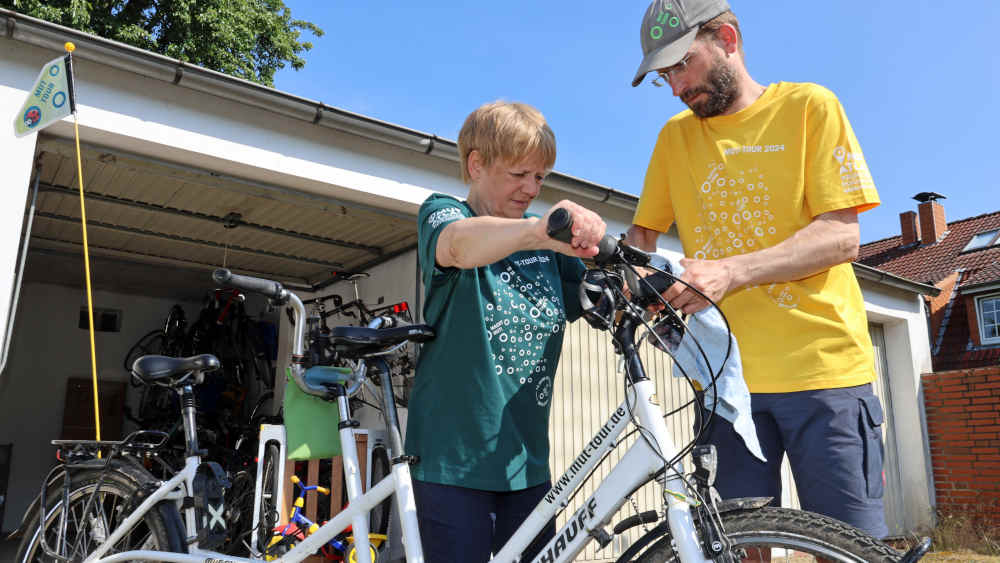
x=250, y=39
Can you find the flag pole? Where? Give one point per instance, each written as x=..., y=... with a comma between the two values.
x=83, y=222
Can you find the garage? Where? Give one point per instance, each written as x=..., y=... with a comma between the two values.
x=156, y=230
x=187, y=170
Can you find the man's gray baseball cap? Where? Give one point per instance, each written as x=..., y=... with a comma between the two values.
x=668, y=30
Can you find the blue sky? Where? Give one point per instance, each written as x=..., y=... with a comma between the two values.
x=919, y=86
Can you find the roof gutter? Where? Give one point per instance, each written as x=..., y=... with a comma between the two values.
x=980, y=287
x=874, y=274
x=103, y=51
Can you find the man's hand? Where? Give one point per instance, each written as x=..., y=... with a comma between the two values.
x=714, y=278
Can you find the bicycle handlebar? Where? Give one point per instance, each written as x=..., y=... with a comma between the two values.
x=560, y=227
x=268, y=288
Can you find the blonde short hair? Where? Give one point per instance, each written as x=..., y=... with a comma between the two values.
x=508, y=131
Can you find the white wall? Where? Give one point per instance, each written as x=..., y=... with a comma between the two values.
x=17, y=166
x=48, y=349
x=907, y=350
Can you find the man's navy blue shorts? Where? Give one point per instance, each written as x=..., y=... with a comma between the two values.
x=833, y=438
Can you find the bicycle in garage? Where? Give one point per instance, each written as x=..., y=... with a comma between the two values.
x=144, y=523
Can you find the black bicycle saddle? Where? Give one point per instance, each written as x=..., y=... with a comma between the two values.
x=163, y=370
x=356, y=341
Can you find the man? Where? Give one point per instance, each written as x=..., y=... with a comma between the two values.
x=765, y=185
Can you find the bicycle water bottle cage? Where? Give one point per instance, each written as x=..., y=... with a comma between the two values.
x=210, y=484
x=597, y=298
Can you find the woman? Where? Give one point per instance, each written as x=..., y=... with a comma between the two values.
x=498, y=292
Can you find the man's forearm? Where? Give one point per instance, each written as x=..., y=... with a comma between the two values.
x=830, y=239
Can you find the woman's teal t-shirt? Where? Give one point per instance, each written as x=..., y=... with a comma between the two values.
x=479, y=411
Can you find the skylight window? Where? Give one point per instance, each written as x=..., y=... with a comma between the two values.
x=982, y=240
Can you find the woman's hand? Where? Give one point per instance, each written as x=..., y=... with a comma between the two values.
x=588, y=229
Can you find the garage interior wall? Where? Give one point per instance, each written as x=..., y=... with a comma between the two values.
x=48, y=349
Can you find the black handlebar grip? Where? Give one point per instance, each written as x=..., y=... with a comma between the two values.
x=560, y=227
x=268, y=288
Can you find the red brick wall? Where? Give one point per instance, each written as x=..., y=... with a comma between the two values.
x=963, y=423
x=938, y=304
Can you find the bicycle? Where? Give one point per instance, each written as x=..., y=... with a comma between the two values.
x=694, y=525
x=113, y=509
x=322, y=352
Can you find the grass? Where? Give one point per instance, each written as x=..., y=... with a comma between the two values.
x=969, y=536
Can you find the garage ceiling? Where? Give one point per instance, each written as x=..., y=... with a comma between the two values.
x=144, y=211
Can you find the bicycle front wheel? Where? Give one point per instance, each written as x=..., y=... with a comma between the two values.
x=270, y=487
x=85, y=524
x=783, y=534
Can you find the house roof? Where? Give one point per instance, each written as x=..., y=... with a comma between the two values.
x=931, y=263
x=953, y=347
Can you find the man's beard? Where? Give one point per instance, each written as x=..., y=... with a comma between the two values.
x=721, y=91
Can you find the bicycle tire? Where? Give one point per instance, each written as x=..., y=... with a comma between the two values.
x=152, y=343
x=379, y=523
x=270, y=486
x=804, y=533
x=159, y=530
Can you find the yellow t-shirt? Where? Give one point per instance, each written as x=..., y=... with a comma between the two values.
x=743, y=182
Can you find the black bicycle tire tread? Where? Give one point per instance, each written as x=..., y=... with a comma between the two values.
x=805, y=524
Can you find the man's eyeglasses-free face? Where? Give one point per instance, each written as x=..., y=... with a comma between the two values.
x=663, y=76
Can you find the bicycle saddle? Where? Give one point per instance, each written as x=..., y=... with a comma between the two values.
x=356, y=341
x=163, y=370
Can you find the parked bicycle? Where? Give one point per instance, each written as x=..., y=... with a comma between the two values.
x=112, y=508
x=323, y=352
x=693, y=525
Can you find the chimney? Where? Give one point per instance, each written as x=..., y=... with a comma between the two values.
x=909, y=227
x=932, y=223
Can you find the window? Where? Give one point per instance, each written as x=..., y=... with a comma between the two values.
x=108, y=320
x=982, y=240
x=988, y=310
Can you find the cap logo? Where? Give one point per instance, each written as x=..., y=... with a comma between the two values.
x=665, y=18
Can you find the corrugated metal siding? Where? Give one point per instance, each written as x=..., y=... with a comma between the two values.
x=587, y=388
x=130, y=224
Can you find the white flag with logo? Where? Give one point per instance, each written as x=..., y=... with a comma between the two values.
x=50, y=99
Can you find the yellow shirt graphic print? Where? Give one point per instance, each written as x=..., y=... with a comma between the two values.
x=744, y=182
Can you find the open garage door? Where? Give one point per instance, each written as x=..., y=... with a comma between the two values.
x=147, y=211
x=156, y=230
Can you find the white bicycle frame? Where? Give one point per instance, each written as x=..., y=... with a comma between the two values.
x=641, y=462
x=644, y=459
x=397, y=483
x=355, y=515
